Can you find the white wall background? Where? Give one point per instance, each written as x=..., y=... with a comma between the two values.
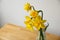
x=11, y=11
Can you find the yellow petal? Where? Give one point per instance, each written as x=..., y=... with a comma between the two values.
x=43, y=21
x=38, y=18
x=42, y=25
x=36, y=24
x=38, y=28
x=26, y=22
x=28, y=18
x=29, y=27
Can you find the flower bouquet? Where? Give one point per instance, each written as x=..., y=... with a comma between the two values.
x=35, y=21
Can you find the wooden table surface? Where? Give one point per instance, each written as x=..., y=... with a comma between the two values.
x=13, y=32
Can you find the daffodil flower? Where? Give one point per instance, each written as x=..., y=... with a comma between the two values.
x=27, y=7
x=38, y=23
x=29, y=25
x=33, y=13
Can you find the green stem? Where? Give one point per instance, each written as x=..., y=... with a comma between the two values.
x=41, y=33
x=41, y=13
x=33, y=7
x=40, y=36
x=46, y=27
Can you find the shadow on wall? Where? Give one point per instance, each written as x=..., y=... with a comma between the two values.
x=0, y=19
x=0, y=14
x=59, y=1
x=0, y=0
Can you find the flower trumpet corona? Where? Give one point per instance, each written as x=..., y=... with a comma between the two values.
x=33, y=13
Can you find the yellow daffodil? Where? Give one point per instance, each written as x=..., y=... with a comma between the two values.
x=28, y=23
x=33, y=13
x=27, y=7
x=38, y=23
x=41, y=24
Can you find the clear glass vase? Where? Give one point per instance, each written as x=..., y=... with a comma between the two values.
x=39, y=37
